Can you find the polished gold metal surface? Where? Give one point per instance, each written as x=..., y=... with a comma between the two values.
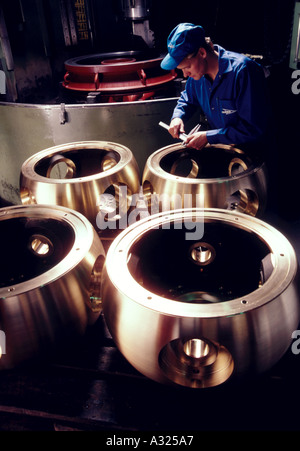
x=200, y=297
x=87, y=176
x=218, y=176
x=51, y=264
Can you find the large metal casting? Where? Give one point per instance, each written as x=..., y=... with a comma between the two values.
x=218, y=176
x=51, y=263
x=198, y=297
x=117, y=76
x=85, y=176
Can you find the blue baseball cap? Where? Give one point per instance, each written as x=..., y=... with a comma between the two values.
x=185, y=39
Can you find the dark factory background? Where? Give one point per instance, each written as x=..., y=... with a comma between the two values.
x=39, y=36
x=43, y=34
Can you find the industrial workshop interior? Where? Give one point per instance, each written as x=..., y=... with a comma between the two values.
x=146, y=285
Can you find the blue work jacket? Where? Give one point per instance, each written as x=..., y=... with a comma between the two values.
x=235, y=103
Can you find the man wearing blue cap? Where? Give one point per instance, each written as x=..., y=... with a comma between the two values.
x=229, y=87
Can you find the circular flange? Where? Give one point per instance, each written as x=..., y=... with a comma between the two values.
x=116, y=73
x=244, y=300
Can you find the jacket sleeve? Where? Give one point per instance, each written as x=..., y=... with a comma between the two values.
x=186, y=105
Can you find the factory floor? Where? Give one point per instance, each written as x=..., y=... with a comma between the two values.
x=89, y=386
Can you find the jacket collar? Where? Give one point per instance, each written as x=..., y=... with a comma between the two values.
x=224, y=61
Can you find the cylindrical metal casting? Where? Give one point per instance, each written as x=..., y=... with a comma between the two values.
x=198, y=297
x=91, y=177
x=51, y=264
x=218, y=176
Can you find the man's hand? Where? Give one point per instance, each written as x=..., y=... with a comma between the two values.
x=196, y=140
x=176, y=127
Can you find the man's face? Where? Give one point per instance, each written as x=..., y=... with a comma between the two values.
x=194, y=66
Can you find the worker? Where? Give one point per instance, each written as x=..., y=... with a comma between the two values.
x=230, y=89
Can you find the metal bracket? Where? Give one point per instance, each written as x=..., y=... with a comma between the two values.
x=63, y=114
